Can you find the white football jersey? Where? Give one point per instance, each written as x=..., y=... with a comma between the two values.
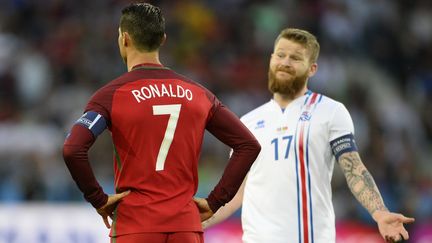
x=288, y=195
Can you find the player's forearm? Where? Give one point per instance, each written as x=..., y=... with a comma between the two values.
x=236, y=170
x=75, y=154
x=361, y=183
x=223, y=213
x=226, y=126
x=228, y=209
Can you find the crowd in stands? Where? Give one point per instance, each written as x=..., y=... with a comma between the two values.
x=376, y=58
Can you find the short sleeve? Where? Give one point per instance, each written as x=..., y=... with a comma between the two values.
x=340, y=123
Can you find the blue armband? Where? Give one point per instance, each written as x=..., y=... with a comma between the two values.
x=343, y=145
x=93, y=121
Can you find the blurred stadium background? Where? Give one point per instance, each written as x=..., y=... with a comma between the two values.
x=376, y=58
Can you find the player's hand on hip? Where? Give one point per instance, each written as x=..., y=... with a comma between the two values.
x=391, y=225
x=108, y=209
x=204, y=208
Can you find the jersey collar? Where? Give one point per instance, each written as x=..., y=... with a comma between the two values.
x=148, y=66
x=299, y=100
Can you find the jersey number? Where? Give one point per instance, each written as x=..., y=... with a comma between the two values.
x=276, y=146
x=174, y=112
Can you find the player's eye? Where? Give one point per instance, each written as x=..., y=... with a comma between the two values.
x=296, y=58
x=280, y=55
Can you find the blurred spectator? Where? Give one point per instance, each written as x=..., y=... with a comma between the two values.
x=376, y=58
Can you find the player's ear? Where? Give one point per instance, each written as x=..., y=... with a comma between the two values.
x=126, y=39
x=163, y=39
x=313, y=69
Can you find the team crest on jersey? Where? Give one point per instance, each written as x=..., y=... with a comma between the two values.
x=259, y=124
x=305, y=116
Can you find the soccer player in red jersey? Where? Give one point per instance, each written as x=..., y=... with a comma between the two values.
x=157, y=120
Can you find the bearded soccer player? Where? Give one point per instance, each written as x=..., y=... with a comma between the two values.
x=287, y=193
x=157, y=120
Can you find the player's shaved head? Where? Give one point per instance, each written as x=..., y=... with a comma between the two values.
x=145, y=24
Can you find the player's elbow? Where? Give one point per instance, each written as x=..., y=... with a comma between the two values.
x=68, y=153
x=71, y=153
x=254, y=147
x=257, y=147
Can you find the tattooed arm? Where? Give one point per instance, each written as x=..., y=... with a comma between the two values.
x=361, y=183
x=363, y=187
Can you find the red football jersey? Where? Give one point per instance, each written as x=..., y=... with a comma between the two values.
x=157, y=120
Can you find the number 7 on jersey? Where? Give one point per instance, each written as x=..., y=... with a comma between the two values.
x=174, y=112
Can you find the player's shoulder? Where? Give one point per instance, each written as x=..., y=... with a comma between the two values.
x=106, y=91
x=328, y=103
x=328, y=109
x=256, y=113
x=190, y=81
x=192, y=84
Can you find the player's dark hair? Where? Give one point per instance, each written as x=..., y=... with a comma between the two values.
x=145, y=24
x=304, y=38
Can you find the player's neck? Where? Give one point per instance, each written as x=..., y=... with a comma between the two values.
x=136, y=58
x=284, y=100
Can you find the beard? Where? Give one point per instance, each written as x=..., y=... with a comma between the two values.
x=289, y=87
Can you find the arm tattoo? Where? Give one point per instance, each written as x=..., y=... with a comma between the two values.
x=360, y=182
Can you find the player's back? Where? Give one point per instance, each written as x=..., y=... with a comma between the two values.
x=157, y=119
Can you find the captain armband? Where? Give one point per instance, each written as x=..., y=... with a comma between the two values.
x=93, y=121
x=343, y=145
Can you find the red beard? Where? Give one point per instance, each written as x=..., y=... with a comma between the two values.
x=290, y=86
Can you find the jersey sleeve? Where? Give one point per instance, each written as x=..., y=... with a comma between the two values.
x=83, y=134
x=341, y=132
x=93, y=121
x=228, y=128
x=340, y=123
x=100, y=103
x=75, y=154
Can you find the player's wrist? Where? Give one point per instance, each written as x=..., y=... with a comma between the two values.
x=99, y=201
x=379, y=213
